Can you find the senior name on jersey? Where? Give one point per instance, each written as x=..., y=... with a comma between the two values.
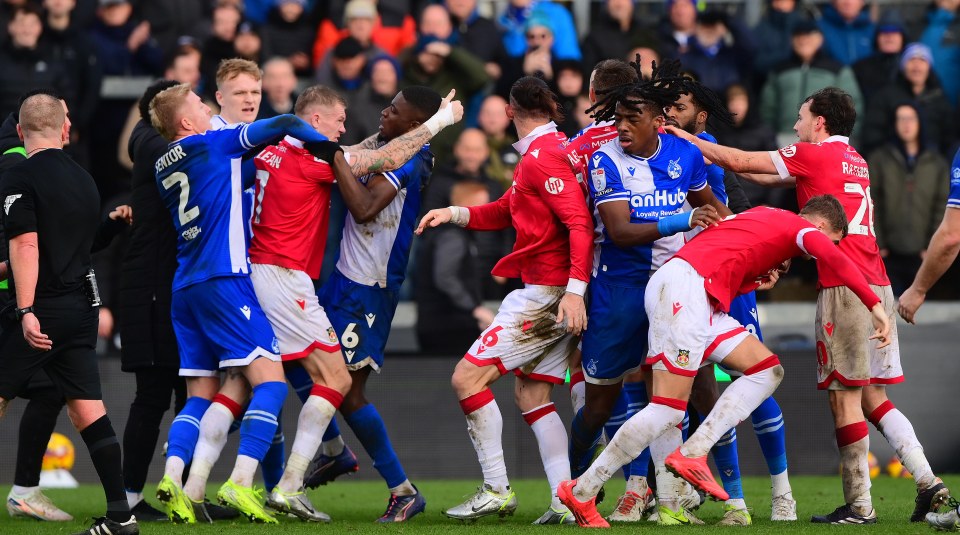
x=175, y=154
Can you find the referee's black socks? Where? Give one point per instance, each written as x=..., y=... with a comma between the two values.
x=104, y=450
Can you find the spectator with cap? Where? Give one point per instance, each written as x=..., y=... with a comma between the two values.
x=880, y=69
x=942, y=35
x=25, y=63
x=909, y=195
x=676, y=31
x=360, y=27
x=719, y=53
x=773, y=34
x=219, y=46
x=847, y=30
x=289, y=33
x=614, y=33
x=348, y=61
x=917, y=83
x=514, y=22
x=471, y=31
x=279, y=88
x=124, y=46
x=248, y=45
x=808, y=69
x=362, y=21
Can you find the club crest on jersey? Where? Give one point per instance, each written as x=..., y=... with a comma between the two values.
x=592, y=367
x=789, y=151
x=683, y=358
x=553, y=185
x=673, y=169
x=956, y=173
x=275, y=345
x=331, y=335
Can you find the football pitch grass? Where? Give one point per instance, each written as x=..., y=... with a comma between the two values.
x=354, y=505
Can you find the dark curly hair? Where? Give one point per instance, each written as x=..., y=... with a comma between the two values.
x=662, y=89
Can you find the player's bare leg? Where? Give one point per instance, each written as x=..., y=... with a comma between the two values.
x=577, y=384
x=896, y=428
x=472, y=383
x=533, y=399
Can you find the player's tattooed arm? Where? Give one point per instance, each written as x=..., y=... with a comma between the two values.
x=390, y=156
x=371, y=142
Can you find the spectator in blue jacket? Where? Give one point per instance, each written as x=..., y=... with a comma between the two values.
x=514, y=19
x=720, y=52
x=942, y=35
x=847, y=31
x=123, y=46
x=775, y=31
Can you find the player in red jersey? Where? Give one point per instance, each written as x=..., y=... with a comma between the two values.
x=854, y=373
x=688, y=300
x=536, y=326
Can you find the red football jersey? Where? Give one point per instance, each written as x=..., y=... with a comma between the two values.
x=740, y=251
x=591, y=138
x=291, y=208
x=547, y=207
x=834, y=167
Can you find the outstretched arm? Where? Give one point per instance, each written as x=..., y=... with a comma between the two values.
x=941, y=253
x=729, y=158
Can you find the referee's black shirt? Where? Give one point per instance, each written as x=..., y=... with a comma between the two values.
x=53, y=196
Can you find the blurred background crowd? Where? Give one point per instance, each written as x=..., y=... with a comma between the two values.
x=900, y=61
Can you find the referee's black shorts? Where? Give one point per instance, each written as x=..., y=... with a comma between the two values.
x=71, y=324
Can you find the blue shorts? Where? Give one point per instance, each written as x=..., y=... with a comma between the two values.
x=743, y=308
x=219, y=324
x=362, y=316
x=615, y=342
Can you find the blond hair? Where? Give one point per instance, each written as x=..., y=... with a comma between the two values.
x=317, y=95
x=231, y=68
x=42, y=115
x=165, y=110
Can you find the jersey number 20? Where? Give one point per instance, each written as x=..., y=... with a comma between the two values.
x=186, y=215
x=861, y=223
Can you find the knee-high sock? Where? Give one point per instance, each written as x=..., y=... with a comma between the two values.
x=578, y=390
x=734, y=405
x=257, y=430
x=182, y=438
x=214, y=428
x=618, y=416
x=854, y=443
x=685, y=427
x=302, y=384
x=668, y=485
x=637, y=394
x=552, y=441
x=104, y=451
x=274, y=461
x=332, y=439
x=583, y=440
x=772, y=434
x=636, y=434
x=37, y=423
x=898, y=431
x=368, y=426
x=485, y=427
x=728, y=464
x=314, y=417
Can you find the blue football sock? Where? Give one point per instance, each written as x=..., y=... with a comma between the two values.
x=260, y=420
x=685, y=426
x=369, y=429
x=300, y=380
x=768, y=424
x=583, y=441
x=272, y=464
x=332, y=431
x=637, y=394
x=185, y=429
x=618, y=416
x=728, y=464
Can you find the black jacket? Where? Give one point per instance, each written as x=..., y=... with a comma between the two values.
x=22, y=70
x=147, y=275
x=937, y=115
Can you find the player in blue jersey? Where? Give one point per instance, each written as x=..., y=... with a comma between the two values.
x=361, y=296
x=697, y=106
x=639, y=186
x=216, y=316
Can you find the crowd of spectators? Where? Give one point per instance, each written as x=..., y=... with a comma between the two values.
x=902, y=66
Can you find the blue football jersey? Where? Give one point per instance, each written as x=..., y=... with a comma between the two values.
x=376, y=253
x=715, y=173
x=199, y=178
x=655, y=187
x=954, y=199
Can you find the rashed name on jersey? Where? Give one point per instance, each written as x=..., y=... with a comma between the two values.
x=655, y=187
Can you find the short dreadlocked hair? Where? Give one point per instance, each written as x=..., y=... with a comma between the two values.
x=705, y=99
x=660, y=91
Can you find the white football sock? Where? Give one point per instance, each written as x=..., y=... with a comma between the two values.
x=313, y=420
x=898, y=431
x=22, y=492
x=243, y=470
x=485, y=427
x=578, y=395
x=333, y=447
x=403, y=489
x=214, y=428
x=552, y=441
x=174, y=468
x=133, y=498
x=668, y=485
x=780, y=484
x=637, y=485
x=855, y=470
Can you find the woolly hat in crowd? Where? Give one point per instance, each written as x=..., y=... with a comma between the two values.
x=916, y=50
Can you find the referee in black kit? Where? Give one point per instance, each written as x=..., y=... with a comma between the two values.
x=51, y=217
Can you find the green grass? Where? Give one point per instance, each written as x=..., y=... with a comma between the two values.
x=355, y=504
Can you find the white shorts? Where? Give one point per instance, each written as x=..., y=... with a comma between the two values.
x=846, y=358
x=525, y=337
x=290, y=303
x=685, y=328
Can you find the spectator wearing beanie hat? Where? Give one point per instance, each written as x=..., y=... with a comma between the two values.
x=513, y=22
x=880, y=70
x=365, y=20
x=916, y=83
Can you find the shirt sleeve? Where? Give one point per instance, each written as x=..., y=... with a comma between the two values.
x=797, y=160
x=698, y=177
x=493, y=215
x=605, y=182
x=830, y=258
x=953, y=200
x=400, y=177
x=315, y=169
x=19, y=209
x=562, y=194
x=235, y=140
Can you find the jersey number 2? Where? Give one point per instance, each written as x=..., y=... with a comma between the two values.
x=186, y=215
x=861, y=223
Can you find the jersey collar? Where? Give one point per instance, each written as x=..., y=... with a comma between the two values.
x=293, y=142
x=217, y=122
x=837, y=139
x=524, y=144
x=641, y=158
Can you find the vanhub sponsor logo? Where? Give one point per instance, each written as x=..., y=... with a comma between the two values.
x=658, y=198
